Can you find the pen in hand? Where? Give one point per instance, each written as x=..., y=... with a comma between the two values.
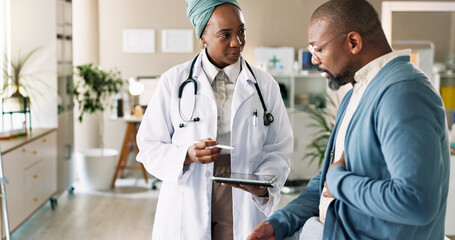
x=218, y=146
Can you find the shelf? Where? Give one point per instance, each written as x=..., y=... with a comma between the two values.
x=65, y=133
x=304, y=85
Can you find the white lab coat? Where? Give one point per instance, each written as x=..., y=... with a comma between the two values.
x=184, y=204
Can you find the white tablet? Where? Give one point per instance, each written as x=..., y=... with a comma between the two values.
x=243, y=178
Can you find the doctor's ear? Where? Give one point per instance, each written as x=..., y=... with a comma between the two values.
x=202, y=43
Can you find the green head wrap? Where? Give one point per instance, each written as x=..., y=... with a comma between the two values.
x=199, y=12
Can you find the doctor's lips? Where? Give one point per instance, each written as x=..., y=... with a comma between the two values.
x=234, y=54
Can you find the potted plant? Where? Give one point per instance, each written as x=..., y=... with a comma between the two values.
x=18, y=88
x=322, y=122
x=94, y=90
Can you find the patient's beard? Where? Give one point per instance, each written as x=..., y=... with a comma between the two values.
x=341, y=79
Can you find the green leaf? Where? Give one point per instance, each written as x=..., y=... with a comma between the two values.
x=323, y=122
x=94, y=88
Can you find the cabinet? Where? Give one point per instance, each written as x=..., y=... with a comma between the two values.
x=65, y=152
x=64, y=56
x=65, y=132
x=301, y=90
x=31, y=170
x=301, y=169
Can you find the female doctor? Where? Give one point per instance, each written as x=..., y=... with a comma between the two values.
x=209, y=100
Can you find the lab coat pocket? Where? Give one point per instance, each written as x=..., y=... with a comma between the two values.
x=256, y=136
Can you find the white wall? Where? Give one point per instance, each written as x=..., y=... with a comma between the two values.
x=2, y=36
x=85, y=50
x=34, y=25
x=452, y=35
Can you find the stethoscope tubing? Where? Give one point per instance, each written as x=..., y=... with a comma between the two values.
x=192, y=113
x=268, y=117
x=190, y=79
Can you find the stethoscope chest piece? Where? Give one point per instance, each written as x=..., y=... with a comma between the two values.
x=268, y=118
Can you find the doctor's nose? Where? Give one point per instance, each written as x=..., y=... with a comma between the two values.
x=236, y=42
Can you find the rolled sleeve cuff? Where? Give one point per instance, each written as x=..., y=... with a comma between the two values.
x=334, y=177
x=277, y=228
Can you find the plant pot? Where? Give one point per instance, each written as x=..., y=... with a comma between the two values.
x=95, y=168
x=16, y=103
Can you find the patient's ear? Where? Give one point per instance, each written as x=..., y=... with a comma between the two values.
x=355, y=42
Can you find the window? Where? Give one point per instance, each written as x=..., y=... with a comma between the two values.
x=3, y=38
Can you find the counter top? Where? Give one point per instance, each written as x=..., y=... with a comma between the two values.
x=16, y=142
x=127, y=118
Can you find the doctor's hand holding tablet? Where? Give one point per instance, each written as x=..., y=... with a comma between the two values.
x=259, y=191
x=207, y=151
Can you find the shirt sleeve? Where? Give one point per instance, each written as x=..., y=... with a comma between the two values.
x=293, y=216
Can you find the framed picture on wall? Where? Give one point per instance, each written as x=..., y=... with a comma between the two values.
x=139, y=41
x=177, y=40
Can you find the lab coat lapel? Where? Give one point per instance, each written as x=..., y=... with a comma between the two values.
x=204, y=87
x=244, y=89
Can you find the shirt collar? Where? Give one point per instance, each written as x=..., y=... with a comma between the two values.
x=369, y=71
x=232, y=71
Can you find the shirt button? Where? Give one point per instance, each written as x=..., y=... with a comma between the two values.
x=219, y=118
x=207, y=174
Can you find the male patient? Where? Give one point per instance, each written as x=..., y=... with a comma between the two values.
x=386, y=170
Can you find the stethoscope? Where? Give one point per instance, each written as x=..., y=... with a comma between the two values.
x=268, y=117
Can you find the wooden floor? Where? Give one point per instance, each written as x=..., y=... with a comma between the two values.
x=127, y=212
x=124, y=213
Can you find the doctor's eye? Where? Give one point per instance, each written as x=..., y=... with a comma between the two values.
x=224, y=35
x=242, y=31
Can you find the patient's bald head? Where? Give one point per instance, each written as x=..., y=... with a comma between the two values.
x=345, y=35
x=350, y=15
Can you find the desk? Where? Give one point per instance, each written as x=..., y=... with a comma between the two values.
x=128, y=142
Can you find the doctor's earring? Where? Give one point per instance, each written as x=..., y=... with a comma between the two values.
x=202, y=45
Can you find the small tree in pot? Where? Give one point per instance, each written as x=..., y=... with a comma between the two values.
x=94, y=89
